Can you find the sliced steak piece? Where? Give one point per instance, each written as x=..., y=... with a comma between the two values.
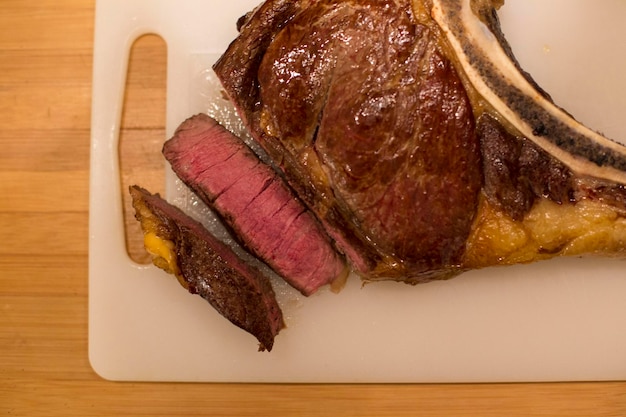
x=207, y=267
x=254, y=202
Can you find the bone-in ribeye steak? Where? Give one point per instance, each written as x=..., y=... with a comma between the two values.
x=392, y=122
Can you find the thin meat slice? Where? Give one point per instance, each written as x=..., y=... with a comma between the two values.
x=254, y=202
x=207, y=267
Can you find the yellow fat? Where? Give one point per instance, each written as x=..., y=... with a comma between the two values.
x=162, y=250
x=548, y=230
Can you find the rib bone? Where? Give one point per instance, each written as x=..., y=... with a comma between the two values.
x=490, y=67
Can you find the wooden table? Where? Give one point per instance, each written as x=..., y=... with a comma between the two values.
x=45, y=94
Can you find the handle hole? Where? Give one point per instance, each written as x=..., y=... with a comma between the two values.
x=142, y=132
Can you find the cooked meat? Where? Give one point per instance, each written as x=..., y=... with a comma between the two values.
x=414, y=136
x=517, y=172
x=207, y=267
x=366, y=130
x=255, y=202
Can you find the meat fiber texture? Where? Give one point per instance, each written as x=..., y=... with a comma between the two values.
x=254, y=202
x=209, y=268
x=365, y=109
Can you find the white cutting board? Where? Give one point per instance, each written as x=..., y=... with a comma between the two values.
x=556, y=320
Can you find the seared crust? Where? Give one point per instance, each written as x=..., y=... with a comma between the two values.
x=368, y=147
x=207, y=267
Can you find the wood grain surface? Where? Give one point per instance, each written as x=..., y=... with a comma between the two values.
x=45, y=97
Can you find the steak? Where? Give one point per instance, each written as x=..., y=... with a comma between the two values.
x=207, y=267
x=367, y=130
x=254, y=202
x=411, y=132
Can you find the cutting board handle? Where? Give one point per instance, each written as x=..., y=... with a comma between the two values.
x=118, y=24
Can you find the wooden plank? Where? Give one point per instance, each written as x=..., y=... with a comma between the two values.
x=43, y=275
x=47, y=24
x=32, y=106
x=47, y=191
x=41, y=233
x=47, y=149
x=45, y=66
x=66, y=397
x=45, y=332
